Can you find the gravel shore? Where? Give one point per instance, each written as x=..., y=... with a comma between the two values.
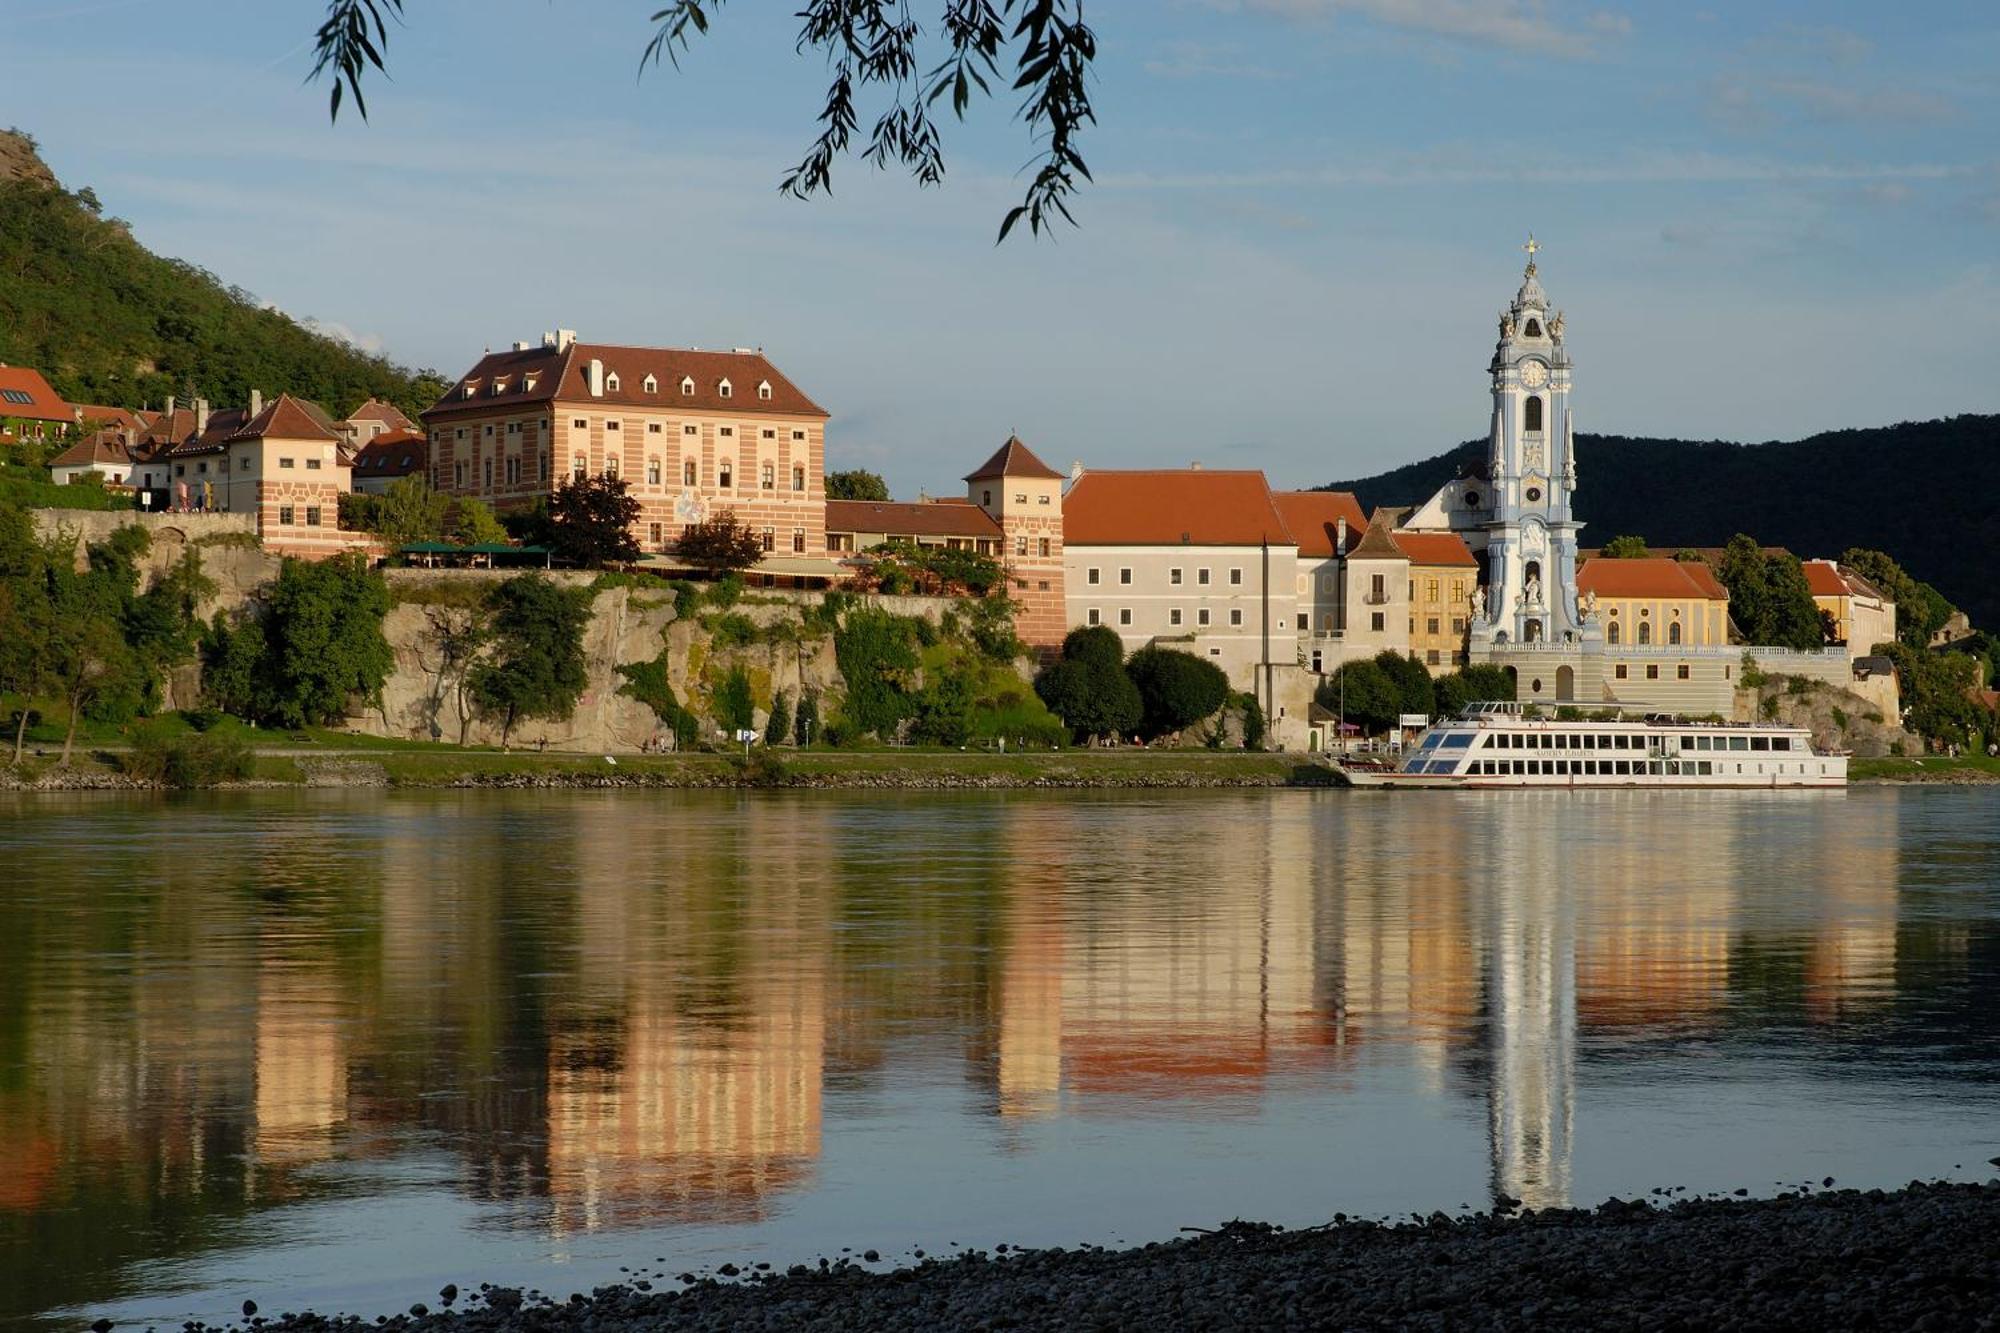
x=1923, y=1257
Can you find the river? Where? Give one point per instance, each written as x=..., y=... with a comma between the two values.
x=335, y=1049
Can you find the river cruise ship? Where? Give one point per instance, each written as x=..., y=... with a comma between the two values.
x=1504, y=745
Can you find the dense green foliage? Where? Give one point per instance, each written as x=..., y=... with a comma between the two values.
x=108, y=322
x=589, y=522
x=1924, y=489
x=317, y=650
x=778, y=726
x=1921, y=610
x=877, y=654
x=1936, y=694
x=473, y=523
x=719, y=544
x=407, y=512
x=1088, y=688
x=903, y=566
x=1362, y=693
x=856, y=484
x=648, y=683
x=186, y=761
x=536, y=665
x=735, y=704
x=805, y=725
x=1472, y=684
x=1380, y=689
x=1254, y=724
x=1176, y=689
x=29, y=487
x=1769, y=598
x=1627, y=548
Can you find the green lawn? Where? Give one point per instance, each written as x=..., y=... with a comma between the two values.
x=1930, y=768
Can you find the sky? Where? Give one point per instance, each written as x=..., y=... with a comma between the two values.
x=1762, y=219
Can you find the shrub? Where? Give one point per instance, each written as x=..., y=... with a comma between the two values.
x=198, y=759
x=1768, y=706
x=735, y=705
x=1176, y=689
x=1840, y=717
x=778, y=726
x=877, y=652
x=1253, y=722
x=732, y=629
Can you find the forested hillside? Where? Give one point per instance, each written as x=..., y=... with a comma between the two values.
x=1923, y=491
x=109, y=322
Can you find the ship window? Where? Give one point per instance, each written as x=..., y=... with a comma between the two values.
x=1457, y=740
x=1760, y=742
x=1739, y=743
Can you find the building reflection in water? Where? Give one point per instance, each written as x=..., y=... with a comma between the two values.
x=619, y=1013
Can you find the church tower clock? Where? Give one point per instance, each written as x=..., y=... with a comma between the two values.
x=1530, y=590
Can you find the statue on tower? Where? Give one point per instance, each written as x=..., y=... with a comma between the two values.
x=1556, y=327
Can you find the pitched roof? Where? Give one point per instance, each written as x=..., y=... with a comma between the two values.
x=1434, y=548
x=393, y=453
x=187, y=437
x=1825, y=579
x=1014, y=459
x=120, y=417
x=387, y=413
x=1177, y=507
x=561, y=375
x=1378, y=542
x=1314, y=518
x=1655, y=576
x=102, y=446
x=25, y=394
x=288, y=418
x=909, y=520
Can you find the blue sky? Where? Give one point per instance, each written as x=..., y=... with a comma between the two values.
x=1763, y=220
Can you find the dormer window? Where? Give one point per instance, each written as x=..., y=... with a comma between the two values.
x=687, y=387
x=528, y=383
x=724, y=389
x=471, y=387
x=764, y=391
x=611, y=382
x=651, y=385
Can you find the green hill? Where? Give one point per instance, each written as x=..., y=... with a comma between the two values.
x=1927, y=492
x=109, y=322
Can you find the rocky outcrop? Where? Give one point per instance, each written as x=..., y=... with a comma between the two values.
x=1838, y=719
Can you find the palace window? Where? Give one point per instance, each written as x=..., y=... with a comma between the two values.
x=582, y=467
x=724, y=389
x=764, y=391
x=1201, y=616
x=285, y=515
x=1652, y=671
x=486, y=475
x=652, y=428
x=770, y=539
x=1375, y=622
x=611, y=466
x=652, y=472
x=1235, y=615
x=1674, y=632
x=687, y=388
x=688, y=473
x=1618, y=671
x=725, y=475
x=1043, y=548
x=1681, y=672
x=1174, y=577
x=458, y=474
x=579, y=423
x=312, y=516
x=1092, y=617
x=1236, y=577
x=1020, y=545
x=513, y=471
x=1090, y=576
x=1124, y=615
x=1645, y=633
x=798, y=540
x=768, y=476
x=1173, y=615
x=1611, y=633
x=287, y=462
x=654, y=533
x=1201, y=577
x=544, y=470
x=1125, y=576
x=798, y=478
x=1431, y=625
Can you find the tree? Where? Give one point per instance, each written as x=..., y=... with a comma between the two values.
x=1362, y=693
x=458, y=635
x=877, y=656
x=232, y=665
x=1253, y=721
x=536, y=667
x=1088, y=688
x=1626, y=548
x=1936, y=690
x=1472, y=684
x=735, y=706
x=856, y=484
x=944, y=711
x=409, y=511
x=323, y=642
x=1890, y=579
x=778, y=726
x=473, y=524
x=805, y=726
x=1412, y=679
x=1176, y=689
x=869, y=46
x=590, y=521
x=1769, y=598
x=719, y=544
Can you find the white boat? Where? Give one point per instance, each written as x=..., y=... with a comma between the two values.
x=1515, y=745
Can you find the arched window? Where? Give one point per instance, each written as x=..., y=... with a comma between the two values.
x=1674, y=632
x=725, y=475
x=1645, y=633
x=687, y=473
x=1532, y=415
x=611, y=466
x=1611, y=633
x=798, y=478
x=652, y=472
x=1534, y=328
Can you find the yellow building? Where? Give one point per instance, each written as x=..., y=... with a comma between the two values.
x=1656, y=602
x=1443, y=574
x=1862, y=615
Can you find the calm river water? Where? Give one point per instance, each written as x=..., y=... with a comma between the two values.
x=336, y=1049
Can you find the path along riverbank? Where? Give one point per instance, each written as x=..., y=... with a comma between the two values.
x=449, y=767
x=1923, y=1257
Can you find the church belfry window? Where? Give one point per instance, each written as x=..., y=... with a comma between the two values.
x=1534, y=329
x=1531, y=419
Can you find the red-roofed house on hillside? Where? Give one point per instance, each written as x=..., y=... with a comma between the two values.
x=375, y=418
x=106, y=453
x=1190, y=558
x=29, y=408
x=389, y=457
x=694, y=432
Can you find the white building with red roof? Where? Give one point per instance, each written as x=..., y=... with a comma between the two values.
x=29, y=408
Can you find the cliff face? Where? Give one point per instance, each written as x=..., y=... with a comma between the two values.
x=20, y=162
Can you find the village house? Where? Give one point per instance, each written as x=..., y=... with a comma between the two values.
x=695, y=433
x=374, y=419
x=387, y=458
x=29, y=408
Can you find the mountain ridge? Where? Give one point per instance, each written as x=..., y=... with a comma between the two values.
x=1924, y=491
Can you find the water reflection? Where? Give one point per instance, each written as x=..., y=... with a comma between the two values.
x=627, y=1012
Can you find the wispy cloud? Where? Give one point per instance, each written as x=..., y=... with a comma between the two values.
x=1647, y=169
x=1519, y=25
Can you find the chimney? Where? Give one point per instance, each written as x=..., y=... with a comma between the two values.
x=1340, y=537
x=1075, y=471
x=548, y=340
x=1195, y=466
x=200, y=415
x=256, y=403
x=168, y=410
x=520, y=347
x=565, y=339
x=595, y=378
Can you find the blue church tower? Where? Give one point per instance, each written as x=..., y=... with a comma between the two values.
x=1529, y=594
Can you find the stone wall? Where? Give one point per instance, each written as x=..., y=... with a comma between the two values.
x=230, y=553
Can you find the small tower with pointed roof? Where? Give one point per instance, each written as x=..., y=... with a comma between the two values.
x=1024, y=496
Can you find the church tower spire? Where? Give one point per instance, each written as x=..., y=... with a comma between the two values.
x=1531, y=538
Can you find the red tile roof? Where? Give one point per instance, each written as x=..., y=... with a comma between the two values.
x=102, y=446
x=1434, y=548
x=1825, y=580
x=26, y=395
x=562, y=376
x=393, y=453
x=1314, y=518
x=387, y=413
x=288, y=418
x=120, y=417
x=1655, y=577
x=1194, y=507
x=910, y=520
x=1014, y=459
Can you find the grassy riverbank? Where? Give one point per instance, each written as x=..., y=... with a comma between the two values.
x=1930, y=768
